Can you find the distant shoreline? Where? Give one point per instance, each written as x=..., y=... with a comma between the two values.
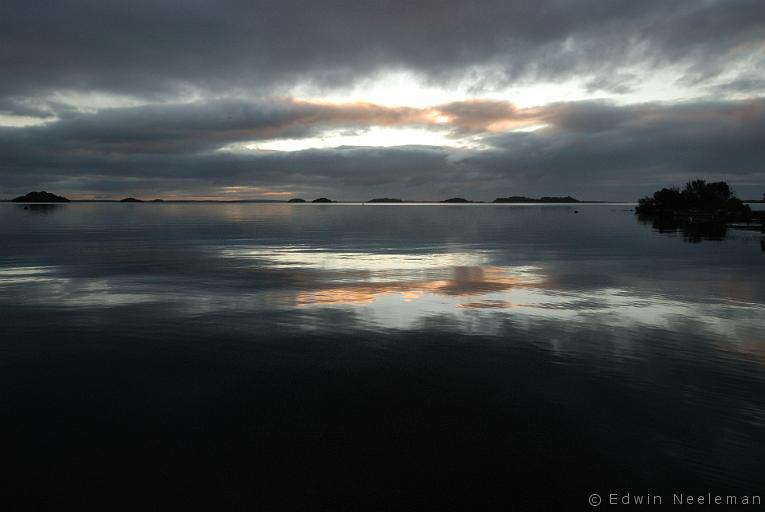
x=371, y=203
x=364, y=203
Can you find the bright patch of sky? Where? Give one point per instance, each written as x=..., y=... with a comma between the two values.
x=12, y=121
x=375, y=136
x=402, y=88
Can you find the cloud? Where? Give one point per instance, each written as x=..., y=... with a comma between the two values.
x=483, y=115
x=207, y=126
x=610, y=150
x=594, y=150
x=149, y=97
x=162, y=50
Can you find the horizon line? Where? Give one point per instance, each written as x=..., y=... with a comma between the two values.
x=309, y=201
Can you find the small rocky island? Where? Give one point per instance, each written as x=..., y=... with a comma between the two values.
x=321, y=200
x=456, y=200
x=131, y=200
x=543, y=199
x=40, y=197
x=296, y=200
x=385, y=200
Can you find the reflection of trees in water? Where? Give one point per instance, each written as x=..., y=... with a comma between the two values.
x=693, y=230
x=46, y=208
x=701, y=211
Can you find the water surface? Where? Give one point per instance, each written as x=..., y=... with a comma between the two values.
x=365, y=356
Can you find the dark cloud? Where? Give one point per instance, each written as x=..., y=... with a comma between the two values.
x=623, y=152
x=194, y=128
x=484, y=115
x=200, y=127
x=161, y=49
x=750, y=86
x=594, y=150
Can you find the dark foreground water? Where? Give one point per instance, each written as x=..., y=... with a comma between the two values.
x=163, y=356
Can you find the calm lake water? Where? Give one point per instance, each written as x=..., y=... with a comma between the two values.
x=359, y=357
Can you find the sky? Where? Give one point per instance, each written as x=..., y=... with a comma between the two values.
x=415, y=99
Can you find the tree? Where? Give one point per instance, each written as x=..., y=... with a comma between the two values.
x=698, y=196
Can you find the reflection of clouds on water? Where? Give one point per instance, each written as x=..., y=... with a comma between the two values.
x=486, y=304
x=235, y=212
x=397, y=291
x=383, y=290
x=360, y=277
x=464, y=281
x=19, y=275
x=47, y=286
x=378, y=262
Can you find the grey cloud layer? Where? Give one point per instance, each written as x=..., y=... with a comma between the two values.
x=592, y=149
x=206, y=126
x=207, y=72
x=157, y=50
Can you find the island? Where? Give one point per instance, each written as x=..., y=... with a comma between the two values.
x=296, y=200
x=699, y=200
x=321, y=200
x=40, y=197
x=701, y=210
x=385, y=200
x=543, y=199
x=456, y=200
x=131, y=200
